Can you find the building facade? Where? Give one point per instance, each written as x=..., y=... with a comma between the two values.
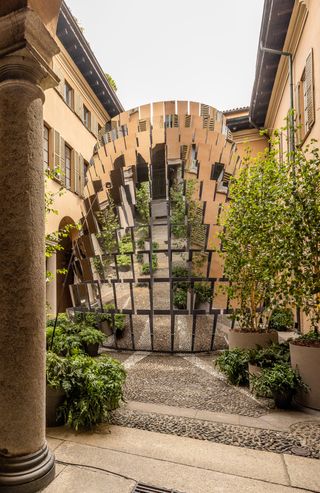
x=74, y=113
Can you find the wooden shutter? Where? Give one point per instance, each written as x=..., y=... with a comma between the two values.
x=56, y=150
x=62, y=161
x=75, y=174
x=94, y=125
x=309, y=92
x=78, y=104
x=81, y=175
x=58, y=71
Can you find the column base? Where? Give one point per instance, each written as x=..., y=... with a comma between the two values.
x=27, y=473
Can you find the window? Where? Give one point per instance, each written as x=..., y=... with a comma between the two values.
x=68, y=94
x=86, y=117
x=172, y=121
x=67, y=156
x=85, y=169
x=46, y=146
x=306, y=112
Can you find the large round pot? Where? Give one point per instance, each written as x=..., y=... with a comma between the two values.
x=249, y=340
x=54, y=399
x=306, y=359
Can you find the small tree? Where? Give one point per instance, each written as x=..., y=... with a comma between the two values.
x=253, y=232
x=304, y=218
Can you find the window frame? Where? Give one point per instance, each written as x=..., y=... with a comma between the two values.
x=68, y=94
x=86, y=117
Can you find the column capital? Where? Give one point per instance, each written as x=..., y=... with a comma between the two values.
x=26, y=49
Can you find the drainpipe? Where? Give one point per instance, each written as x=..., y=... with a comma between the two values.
x=291, y=119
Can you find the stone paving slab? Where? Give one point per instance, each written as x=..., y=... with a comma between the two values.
x=183, y=464
x=82, y=480
x=303, y=472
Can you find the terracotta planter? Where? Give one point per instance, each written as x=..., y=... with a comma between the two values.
x=249, y=340
x=306, y=360
x=253, y=370
x=54, y=399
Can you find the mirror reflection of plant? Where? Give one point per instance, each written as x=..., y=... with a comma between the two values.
x=203, y=291
x=143, y=201
x=108, y=224
x=145, y=268
x=53, y=239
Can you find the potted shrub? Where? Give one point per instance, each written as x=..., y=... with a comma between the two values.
x=119, y=324
x=91, y=338
x=234, y=364
x=105, y=319
x=93, y=387
x=280, y=382
x=250, y=239
x=180, y=298
x=56, y=373
x=145, y=268
x=125, y=247
x=203, y=295
x=266, y=358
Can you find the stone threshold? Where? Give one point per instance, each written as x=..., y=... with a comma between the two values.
x=180, y=463
x=275, y=420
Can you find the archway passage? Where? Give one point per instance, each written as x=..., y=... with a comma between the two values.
x=65, y=273
x=157, y=184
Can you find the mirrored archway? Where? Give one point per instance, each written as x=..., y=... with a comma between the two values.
x=149, y=246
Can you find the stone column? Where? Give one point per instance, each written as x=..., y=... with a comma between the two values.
x=26, y=464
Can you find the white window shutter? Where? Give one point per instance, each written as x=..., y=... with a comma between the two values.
x=78, y=106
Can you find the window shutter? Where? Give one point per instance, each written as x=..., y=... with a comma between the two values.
x=75, y=174
x=78, y=106
x=94, y=125
x=309, y=92
x=81, y=175
x=56, y=150
x=62, y=161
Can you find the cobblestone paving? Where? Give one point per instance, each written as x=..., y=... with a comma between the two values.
x=173, y=381
x=240, y=436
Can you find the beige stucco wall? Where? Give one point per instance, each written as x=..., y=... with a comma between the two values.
x=303, y=34
x=61, y=118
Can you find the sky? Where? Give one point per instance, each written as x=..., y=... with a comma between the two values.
x=155, y=50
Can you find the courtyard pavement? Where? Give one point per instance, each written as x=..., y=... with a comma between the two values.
x=184, y=428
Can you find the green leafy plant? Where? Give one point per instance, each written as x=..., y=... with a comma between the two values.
x=269, y=356
x=253, y=237
x=111, y=81
x=203, y=291
x=108, y=224
x=119, y=322
x=143, y=201
x=125, y=246
x=93, y=387
x=56, y=370
x=90, y=335
x=145, y=268
x=312, y=338
x=180, y=297
x=280, y=380
x=234, y=364
x=281, y=319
